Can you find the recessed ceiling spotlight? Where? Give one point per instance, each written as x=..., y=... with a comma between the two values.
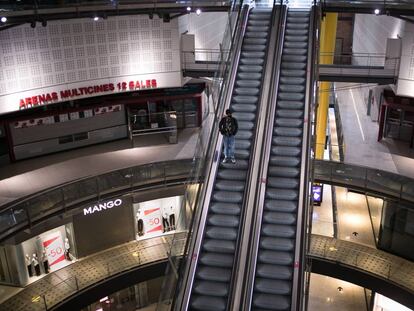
x=33, y=24
x=96, y=18
x=377, y=11
x=198, y=11
x=44, y=23
x=188, y=8
x=3, y=19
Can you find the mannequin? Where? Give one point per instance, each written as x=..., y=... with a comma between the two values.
x=29, y=265
x=45, y=262
x=67, y=249
x=36, y=265
x=140, y=223
x=165, y=223
x=172, y=217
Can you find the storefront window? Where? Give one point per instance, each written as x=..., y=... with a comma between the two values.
x=157, y=217
x=48, y=252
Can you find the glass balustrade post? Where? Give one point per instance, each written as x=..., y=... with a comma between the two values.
x=44, y=301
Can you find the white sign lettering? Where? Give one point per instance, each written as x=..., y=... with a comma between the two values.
x=101, y=206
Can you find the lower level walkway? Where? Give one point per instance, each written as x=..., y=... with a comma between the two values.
x=62, y=283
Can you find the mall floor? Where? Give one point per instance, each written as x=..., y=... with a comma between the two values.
x=352, y=215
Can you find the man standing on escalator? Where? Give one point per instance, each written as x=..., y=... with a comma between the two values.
x=228, y=128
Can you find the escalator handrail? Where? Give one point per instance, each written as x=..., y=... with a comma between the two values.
x=200, y=220
x=304, y=198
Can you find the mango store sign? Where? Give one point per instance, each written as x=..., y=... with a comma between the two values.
x=65, y=92
x=102, y=207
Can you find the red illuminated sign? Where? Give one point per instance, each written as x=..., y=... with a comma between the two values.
x=51, y=97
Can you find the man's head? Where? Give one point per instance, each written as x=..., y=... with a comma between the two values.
x=228, y=112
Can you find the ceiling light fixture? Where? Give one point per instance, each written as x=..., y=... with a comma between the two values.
x=96, y=18
x=188, y=8
x=3, y=19
x=198, y=11
x=377, y=11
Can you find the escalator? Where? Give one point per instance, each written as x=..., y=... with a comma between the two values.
x=274, y=272
x=217, y=255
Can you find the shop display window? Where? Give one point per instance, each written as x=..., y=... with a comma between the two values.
x=48, y=252
x=157, y=217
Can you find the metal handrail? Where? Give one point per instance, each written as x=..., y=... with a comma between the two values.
x=364, y=178
x=41, y=205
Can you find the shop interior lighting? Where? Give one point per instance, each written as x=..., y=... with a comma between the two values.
x=103, y=299
x=189, y=9
x=198, y=11
x=3, y=19
x=377, y=11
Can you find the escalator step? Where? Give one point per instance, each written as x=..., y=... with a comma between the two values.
x=231, y=174
x=252, y=54
x=208, y=303
x=211, y=289
x=221, y=220
x=299, y=33
x=250, y=68
x=295, y=58
x=259, y=41
x=290, y=96
x=274, y=272
x=287, y=141
x=290, y=104
x=227, y=197
x=278, y=218
x=296, y=26
x=283, y=182
x=244, y=116
x=282, y=194
x=243, y=134
x=274, y=287
x=252, y=47
x=295, y=51
x=249, y=76
x=272, y=302
x=229, y=185
x=245, y=99
x=225, y=208
x=256, y=34
x=290, y=113
x=287, y=131
x=248, y=83
x=248, y=126
x=217, y=260
x=221, y=233
x=292, y=87
x=286, y=151
x=243, y=107
x=295, y=45
x=283, y=171
x=293, y=73
x=281, y=231
x=277, y=244
x=281, y=206
x=295, y=66
x=285, y=161
x=246, y=91
x=277, y=258
x=214, y=274
x=251, y=61
x=219, y=246
x=292, y=19
x=289, y=122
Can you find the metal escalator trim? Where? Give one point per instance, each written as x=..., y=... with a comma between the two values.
x=303, y=203
x=200, y=223
x=247, y=294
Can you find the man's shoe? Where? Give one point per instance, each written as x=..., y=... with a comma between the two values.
x=225, y=160
x=233, y=160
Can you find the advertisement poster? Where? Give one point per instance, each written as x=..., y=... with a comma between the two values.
x=55, y=251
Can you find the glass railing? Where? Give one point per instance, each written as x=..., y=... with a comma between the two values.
x=39, y=206
x=375, y=4
x=370, y=260
x=203, y=156
x=364, y=178
x=70, y=281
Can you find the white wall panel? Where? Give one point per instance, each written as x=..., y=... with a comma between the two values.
x=69, y=53
x=208, y=29
x=371, y=33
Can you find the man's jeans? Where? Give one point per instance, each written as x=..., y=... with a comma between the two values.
x=229, y=142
